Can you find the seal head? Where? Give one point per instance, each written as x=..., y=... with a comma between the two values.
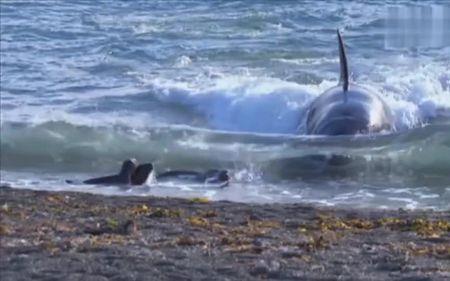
x=124, y=176
x=141, y=174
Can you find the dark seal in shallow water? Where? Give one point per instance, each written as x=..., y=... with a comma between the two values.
x=123, y=177
x=141, y=174
x=134, y=174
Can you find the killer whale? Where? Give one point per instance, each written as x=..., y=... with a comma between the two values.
x=212, y=176
x=348, y=108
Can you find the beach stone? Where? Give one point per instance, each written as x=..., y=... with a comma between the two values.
x=164, y=262
x=180, y=255
x=415, y=278
x=84, y=277
x=290, y=223
x=389, y=266
x=226, y=270
x=11, y=276
x=124, y=277
x=261, y=243
x=290, y=254
x=151, y=254
x=263, y=267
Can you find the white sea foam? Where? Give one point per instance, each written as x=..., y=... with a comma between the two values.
x=245, y=103
x=271, y=105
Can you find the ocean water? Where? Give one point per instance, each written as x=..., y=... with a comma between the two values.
x=225, y=84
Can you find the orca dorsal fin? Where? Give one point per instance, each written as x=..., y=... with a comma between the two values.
x=343, y=63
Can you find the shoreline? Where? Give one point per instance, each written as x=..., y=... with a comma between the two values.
x=73, y=236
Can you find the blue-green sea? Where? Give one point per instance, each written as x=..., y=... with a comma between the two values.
x=225, y=84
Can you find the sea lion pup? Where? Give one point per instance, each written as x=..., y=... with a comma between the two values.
x=141, y=174
x=123, y=177
x=347, y=109
x=212, y=176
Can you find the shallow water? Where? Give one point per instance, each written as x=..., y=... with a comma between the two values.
x=188, y=84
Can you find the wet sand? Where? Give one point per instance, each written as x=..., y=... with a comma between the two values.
x=80, y=236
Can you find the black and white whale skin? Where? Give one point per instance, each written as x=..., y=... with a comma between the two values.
x=212, y=176
x=348, y=109
x=122, y=178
